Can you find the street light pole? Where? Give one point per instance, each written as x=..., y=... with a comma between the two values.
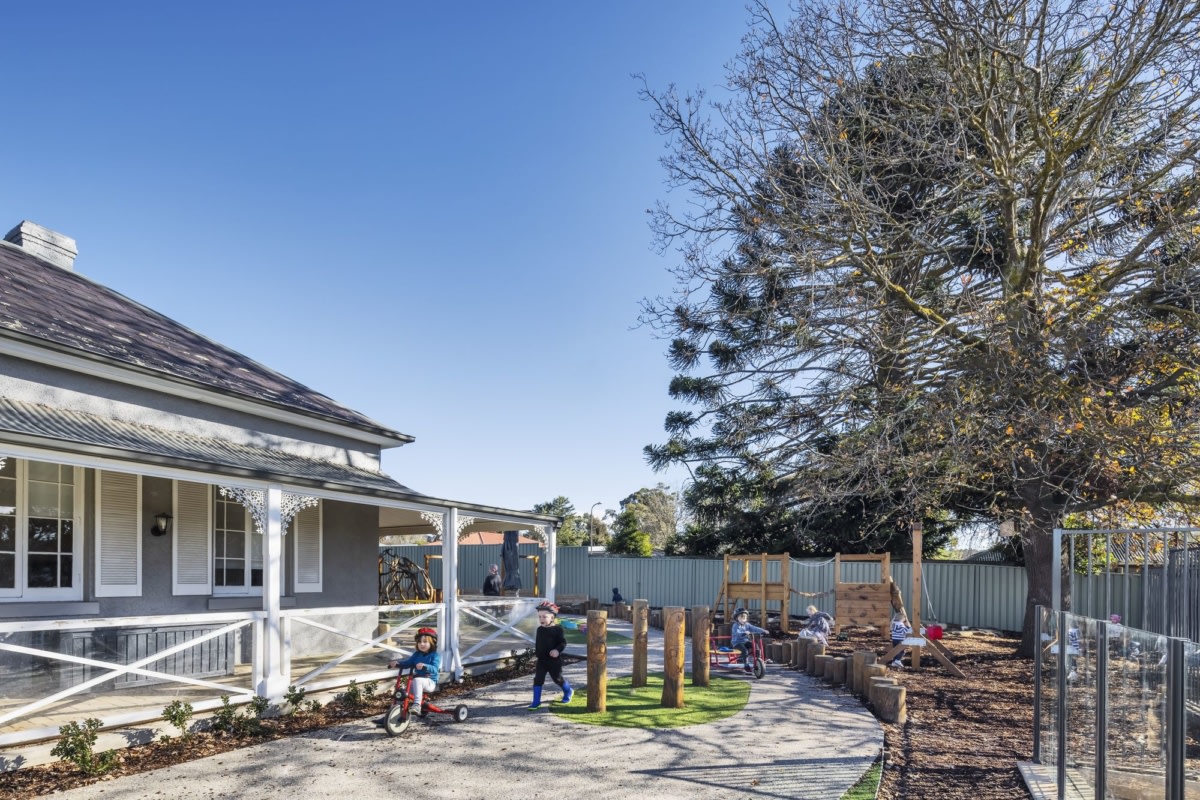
x=591, y=524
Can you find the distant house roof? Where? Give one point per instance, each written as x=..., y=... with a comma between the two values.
x=492, y=537
x=56, y=307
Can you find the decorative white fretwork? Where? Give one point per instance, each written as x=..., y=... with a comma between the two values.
x=434, y=519
x=542, y=530
x=255, y=501
x=463, y=522
x=3, y=461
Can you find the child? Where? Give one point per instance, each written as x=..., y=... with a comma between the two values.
x=900, y=631
x=617, y=598
x=426, y=663
x=818, y=627
x=739, y=636
x=549, y=646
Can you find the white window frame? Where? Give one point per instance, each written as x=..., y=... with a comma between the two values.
x=21, y=590
x=246, y=590
x=298, y=586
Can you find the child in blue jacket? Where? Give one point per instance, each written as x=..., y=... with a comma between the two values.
x=739, y=636
x=426, y=663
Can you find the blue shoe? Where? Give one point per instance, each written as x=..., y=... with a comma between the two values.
x=568, y=693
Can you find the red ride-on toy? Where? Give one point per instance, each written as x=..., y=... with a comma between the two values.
x=722, y=656
x=398, y=717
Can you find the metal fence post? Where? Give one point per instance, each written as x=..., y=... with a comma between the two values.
x=1101, y=782
x=1037, y=684
x=1061, y=731
x=1176, y=718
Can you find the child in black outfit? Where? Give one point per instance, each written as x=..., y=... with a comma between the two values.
x=549, y=645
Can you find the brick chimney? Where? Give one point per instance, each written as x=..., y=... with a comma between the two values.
x=44, y=243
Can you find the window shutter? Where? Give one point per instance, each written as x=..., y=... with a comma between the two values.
x=191, y=558
x=118, y=534
x=306, y=533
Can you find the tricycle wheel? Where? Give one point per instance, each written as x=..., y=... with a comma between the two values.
x=461, y=713
x=760, y=668
x=397, y=720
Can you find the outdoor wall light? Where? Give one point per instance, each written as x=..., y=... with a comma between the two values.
x=162, y=524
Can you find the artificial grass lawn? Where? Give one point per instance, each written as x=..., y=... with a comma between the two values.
x=867, y=786
x=642, y=708
x=575, y=636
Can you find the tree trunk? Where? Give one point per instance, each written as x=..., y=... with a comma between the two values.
x=1039, y=572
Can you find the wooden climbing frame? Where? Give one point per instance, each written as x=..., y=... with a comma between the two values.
x=739, y=588
x=859, y=605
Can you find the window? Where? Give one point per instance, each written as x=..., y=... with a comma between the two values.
x=41, y=528
x=237, y=550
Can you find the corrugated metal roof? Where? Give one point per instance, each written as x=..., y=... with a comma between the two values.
x=69, y=430
x=51, y=304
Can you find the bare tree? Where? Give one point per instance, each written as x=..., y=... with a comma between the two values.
x=942, y=256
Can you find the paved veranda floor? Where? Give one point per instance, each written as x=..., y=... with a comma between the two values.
x=796, y=739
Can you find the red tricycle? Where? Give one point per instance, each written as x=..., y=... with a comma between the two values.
x=398, y=717
x=722, y=656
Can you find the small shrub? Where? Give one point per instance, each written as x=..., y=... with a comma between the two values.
x=314, y=706
x=520, y=660
x=259, y=706
x=294, y=697
x=178, y=714
x=76, y=746
x=354, y=696
x=229, y=720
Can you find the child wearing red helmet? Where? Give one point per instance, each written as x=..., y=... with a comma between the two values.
x=549, y=644
x=426, y=663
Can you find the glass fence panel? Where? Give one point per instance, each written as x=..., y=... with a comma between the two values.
x=328, y=647
x=1047, y=723
x=1080, y=716
x=51, y=677
x=1136, y=704
x=494, y=630
x=1191, y=702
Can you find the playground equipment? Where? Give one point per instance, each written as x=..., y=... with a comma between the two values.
x=921, y=637
x=865, y=604
x=402, y=581
x=536, y=567
x=770, y=584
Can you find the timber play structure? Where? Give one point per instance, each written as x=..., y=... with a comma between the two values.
x=761, y=578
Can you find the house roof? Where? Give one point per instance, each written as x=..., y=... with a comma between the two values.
x=60, y=308
x=492, y=537
x=75, y=431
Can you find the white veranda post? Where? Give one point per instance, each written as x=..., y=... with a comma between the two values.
x=551, y=533
x=449, y=636
x=274, y=681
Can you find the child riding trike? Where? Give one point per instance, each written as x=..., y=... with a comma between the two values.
x=722, y=656
x=399, y=715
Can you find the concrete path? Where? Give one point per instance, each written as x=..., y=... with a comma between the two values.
x=796, y=739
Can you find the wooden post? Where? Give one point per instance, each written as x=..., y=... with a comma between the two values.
x=775, y=652
x=814, y=649
x=822, y=667
x=800, y=660
x=835, y=671
x=915, y=619
x=859, y=662
x=876, y=682
x=890, y=704
x=641, y=623
x=869, y=672
x=701, y=623
x=673, y=657
x=619, y=610
x=597, y=662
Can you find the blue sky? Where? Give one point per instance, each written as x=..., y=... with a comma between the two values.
x=434, y=213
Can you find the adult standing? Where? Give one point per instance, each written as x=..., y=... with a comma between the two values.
x=491, y=584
